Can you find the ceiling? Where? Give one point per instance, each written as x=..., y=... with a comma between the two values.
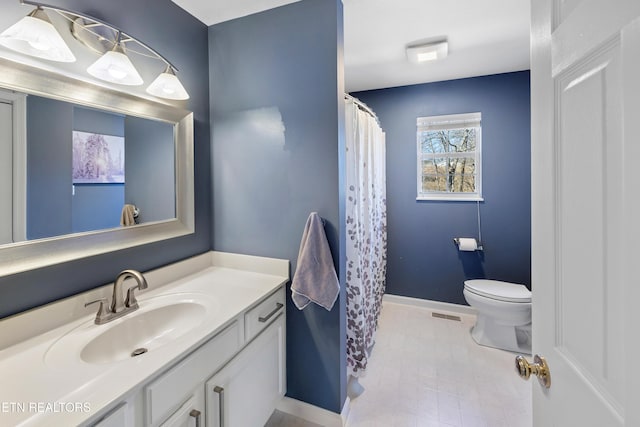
x=485, y=37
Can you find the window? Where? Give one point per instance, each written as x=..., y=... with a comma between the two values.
x=449, y=157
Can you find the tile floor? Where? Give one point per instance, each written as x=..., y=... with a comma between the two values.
x=427, y=371
x=280, y=419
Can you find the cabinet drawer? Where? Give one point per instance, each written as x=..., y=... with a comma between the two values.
x=264, y=313
x=172, y=389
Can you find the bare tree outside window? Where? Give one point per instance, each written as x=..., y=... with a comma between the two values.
x=448, y=155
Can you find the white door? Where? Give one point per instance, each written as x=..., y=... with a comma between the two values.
x=6, y=172
x=585, y=86
x=13, y=161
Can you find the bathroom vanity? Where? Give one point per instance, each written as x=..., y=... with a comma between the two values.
x=206, y=347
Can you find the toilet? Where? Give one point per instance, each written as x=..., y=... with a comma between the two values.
x=504, y=314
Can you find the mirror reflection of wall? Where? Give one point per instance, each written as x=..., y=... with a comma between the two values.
x=150, y=168
x=55, y=204
x=96, y=203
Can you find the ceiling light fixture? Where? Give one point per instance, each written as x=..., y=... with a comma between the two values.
x=428, y=50
x=167, y=85
x=116, y=67
x=41, y=39
x=35, y=35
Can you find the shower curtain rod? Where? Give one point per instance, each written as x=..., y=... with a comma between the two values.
x=364, y=107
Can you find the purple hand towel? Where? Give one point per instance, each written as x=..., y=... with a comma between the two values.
x=315, y=279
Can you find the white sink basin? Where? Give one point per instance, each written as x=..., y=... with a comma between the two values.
x=144, y=332
x=159, y=321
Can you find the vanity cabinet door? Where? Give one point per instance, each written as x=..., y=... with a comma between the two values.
x=118, y=417
x=190, y=414
x=246, y=391
x=168, y=393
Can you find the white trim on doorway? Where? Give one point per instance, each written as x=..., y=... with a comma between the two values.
x=18, y=103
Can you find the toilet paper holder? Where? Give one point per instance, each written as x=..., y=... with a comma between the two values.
x=456, y=241
x=478, y=243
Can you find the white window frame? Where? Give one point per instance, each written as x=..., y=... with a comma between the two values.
x=451, y=121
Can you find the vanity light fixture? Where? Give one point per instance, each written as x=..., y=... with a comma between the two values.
x=167, y=85
x=35, y=35
x=115, y=66
x=113, y=45
x=428, y=50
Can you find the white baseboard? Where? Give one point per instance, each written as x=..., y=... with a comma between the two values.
x=431, y=305
x=346, y=408
x=315, y=414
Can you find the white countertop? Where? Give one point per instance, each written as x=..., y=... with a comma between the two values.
x=34, y=391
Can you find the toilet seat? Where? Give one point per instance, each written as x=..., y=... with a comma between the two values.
x=497, y=290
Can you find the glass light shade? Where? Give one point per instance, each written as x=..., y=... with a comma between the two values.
x=116, y=67
x=167, y=85
x=34, y=35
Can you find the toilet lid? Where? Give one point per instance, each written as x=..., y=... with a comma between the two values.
x=501, y=291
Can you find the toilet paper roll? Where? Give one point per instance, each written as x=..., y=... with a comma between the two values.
x=467, y=244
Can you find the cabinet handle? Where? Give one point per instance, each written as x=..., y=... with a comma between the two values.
x=197, y=415
x=220, y=391
x=270, y=315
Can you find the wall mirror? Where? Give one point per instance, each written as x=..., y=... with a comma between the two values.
x=62, y=197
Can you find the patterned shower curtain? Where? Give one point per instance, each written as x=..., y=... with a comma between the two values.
x=366, y=217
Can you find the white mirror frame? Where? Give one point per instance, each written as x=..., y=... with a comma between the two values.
x=23, y=256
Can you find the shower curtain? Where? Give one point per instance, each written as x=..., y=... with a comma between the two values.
x=366, y=225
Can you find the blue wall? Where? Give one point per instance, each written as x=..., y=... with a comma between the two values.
x=49, y=179
x=276, y=113
x=150, y=168
x=96, y=206
x=422, y=259
x=50, y=187
x=183, y=40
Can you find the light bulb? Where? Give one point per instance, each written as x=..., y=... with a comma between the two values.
x=116, y=72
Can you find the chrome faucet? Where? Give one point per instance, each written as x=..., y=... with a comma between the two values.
x=119, y=306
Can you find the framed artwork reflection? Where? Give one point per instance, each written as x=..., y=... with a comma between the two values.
x=97, y=158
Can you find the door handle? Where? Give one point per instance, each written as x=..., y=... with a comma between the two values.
x=196, y=415
x=539, y=368
x=262, y=319
x=220, y=392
